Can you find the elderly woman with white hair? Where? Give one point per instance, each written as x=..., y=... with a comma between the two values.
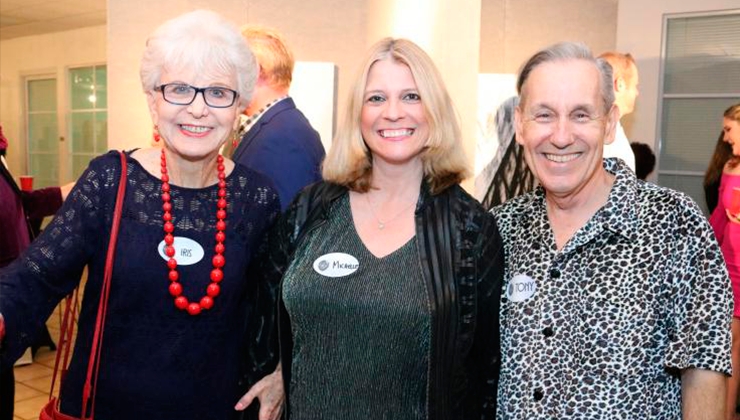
x=175, y=325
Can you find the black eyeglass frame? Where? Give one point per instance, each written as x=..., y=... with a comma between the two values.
x=197, y=90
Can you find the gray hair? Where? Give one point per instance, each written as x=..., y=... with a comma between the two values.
x=205, y=42
x=566, y=51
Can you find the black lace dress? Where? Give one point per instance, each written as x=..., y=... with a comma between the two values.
x=157, y=362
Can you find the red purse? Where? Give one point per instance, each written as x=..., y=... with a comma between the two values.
x=51, y=409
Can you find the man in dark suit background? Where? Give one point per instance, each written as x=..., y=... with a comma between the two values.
x=279, y=140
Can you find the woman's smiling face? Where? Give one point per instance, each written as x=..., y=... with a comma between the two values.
x=193, y=131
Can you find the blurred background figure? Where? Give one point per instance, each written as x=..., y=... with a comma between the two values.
x=19, y=211
x=625, y=85
x=278, y=140
x=713, y=175
x=644, y=159
x=725, y=221
x=507, y=175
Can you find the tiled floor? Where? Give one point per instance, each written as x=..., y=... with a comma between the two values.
x=32, y=381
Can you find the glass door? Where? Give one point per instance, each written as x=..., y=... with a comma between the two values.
x=43, y=131
x=88, y=116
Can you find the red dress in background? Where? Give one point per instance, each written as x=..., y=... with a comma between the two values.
x=728, y=234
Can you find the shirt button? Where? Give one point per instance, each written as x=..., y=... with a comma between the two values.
x=547, y=332
x=538, y=394
x=555, y=273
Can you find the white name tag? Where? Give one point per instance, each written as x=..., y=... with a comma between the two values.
x=336, y=264
x=520, y=288
x=187, y=251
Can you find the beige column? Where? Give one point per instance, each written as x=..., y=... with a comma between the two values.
x=449, y=31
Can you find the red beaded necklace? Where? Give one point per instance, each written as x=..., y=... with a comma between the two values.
x=213, y=289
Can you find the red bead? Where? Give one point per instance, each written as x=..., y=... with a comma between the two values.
x=222, y=193
x=217, y=275
x=220, y=159
x=220, y=236
x=221, y=203
x=175, y=289
x=167, y=206
x=221, y=214
x=221, y=175
x=219, y=260
x=165, y=186
x=173, y=275
x=167, y=216
x=172, y=263
x=165, y=196
x=169, y=227
x=193, y=309
x=219, y=249
x=222, y=184
x=181, y=302
x=169, y=251
x=206, y=302
x=169, y=239
x=213, y=290
x=221, y=225
x=221, y=168
x=165, y=177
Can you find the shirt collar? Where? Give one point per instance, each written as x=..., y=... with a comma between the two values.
x=247, y=122
x=618, y=215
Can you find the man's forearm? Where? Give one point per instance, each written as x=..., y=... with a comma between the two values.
x=703, y=393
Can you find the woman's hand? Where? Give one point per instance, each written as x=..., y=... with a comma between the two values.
x=271, y=394
x=734, y=218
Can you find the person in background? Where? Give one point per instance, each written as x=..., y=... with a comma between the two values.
x=388, y=273
x=180, y=298
x=279, y=141
x=18, y=210
x=713, y=175
x=617, y=303
x=644, y=159
x=725, y=221
x=625, y=82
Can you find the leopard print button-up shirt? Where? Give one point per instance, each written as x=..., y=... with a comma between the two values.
x=602, y=328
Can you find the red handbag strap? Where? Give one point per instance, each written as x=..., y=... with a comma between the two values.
x=67, y=327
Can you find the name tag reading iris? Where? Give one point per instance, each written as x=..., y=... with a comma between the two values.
x=187, y=251
x=336, y=264
x=520, y=288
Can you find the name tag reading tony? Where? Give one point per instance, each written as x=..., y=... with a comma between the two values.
x=187, y=251
x=520, y=288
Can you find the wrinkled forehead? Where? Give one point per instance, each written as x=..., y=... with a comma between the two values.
x=561, y=85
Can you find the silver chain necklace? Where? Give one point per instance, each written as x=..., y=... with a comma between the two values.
x=381, y=224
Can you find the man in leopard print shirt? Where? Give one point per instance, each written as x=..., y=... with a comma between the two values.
x=617, y=303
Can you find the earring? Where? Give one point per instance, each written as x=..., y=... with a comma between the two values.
x=234, y=139
x=155, y=134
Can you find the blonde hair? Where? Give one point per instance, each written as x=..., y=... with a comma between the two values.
x=623, y=65
x=272, y=53
x=205, y=42
x=349, y=161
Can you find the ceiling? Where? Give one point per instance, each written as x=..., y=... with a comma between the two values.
x=32, y=17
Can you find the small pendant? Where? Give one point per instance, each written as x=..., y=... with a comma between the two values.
x=381, y=225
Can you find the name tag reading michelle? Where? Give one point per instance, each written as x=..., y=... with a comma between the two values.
x=336, y=264
x=520, y=288
x=187, y=251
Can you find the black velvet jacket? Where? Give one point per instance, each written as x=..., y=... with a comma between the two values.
x=463, y=263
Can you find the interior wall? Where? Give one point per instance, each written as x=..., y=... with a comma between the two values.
x=639, y=31
x=513, y=30
x=48, y=54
